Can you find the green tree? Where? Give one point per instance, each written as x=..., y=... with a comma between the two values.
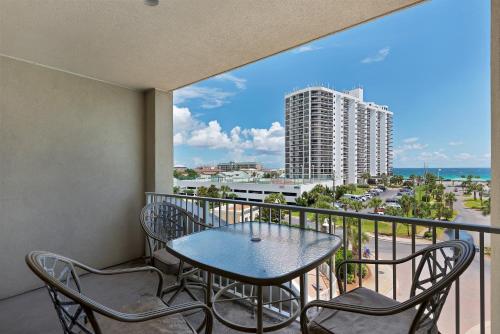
x=487, y=207
x=176, y=189
x=396, y=180
x=375, y=203
x=273, y=214
x=439, y=208
x=406, y=203
x=480, y=190
x=356, y=205
x=449, y=199
x=224, y=191
x=423, y=210
x=393, y=211
x=384, y=179
x=202, y=191
x=447, y=213
x=365, y=177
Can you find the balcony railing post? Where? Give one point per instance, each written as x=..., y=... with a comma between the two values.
x=206, y=212
x=302, y=219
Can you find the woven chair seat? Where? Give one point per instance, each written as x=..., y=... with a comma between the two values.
x=330, y=321
x=172, y=324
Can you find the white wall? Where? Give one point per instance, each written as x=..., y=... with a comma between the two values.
x=71, y=170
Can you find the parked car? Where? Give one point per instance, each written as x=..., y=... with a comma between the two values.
x=393, y=205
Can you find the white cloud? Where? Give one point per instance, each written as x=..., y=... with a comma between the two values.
x=210, y=136
x=455, y=143
x=270, y=140
x=210, y=97
x=432, y=156
x=243, y=142
x=379, y=56
x=410, y=140
x=410, y=144
x=240, y=83
x=464, y=156
x=306, y=48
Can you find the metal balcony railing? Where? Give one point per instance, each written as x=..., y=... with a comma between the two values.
x=352, y=226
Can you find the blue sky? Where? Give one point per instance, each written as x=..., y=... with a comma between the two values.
x=429, y=64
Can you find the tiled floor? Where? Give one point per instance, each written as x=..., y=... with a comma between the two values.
x=33, y=313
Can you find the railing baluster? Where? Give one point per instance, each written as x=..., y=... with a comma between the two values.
x=481, y=282
x=376, y=255
x=394, y=277
x=344, y=250
x=413, y=233
x=360, y=267
x=457, y=294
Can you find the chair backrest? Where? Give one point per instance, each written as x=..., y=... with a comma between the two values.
x=440, y=265
x=163, y=221
x=62, y=281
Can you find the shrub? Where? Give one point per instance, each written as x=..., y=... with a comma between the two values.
x=352, y=269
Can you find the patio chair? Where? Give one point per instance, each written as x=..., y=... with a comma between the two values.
x=79, y=313
x=161, y=222
x=364, y=311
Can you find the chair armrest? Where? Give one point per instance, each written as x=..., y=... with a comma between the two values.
x=126, y=271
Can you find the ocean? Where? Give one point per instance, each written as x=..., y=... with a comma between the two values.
x=447, y=173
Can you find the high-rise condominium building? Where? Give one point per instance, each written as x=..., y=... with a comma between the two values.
x=331, y=134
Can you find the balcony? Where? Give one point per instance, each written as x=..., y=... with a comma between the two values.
x=86, y=128
x=467, y=306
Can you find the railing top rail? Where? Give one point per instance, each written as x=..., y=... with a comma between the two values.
x=341, y=213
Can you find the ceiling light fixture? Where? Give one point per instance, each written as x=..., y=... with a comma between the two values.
x=151, y=2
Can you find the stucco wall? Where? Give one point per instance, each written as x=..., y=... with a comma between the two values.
x=71, y=170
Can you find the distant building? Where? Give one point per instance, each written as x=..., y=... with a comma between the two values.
x=233, y=166
x=180, y=168
x=251, y=191
x=207, y=170
x=331, y=134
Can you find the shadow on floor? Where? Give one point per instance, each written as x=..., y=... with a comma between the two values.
x=33, y=312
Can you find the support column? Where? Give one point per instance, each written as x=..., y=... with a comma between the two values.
x=159, y=141
x=495, y=163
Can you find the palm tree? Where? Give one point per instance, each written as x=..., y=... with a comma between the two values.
x=449, y=199
x=439, y=207
x=366, y=176
x=356, y=205
x=384, y=179
x=480, y=189
x=224, y=191
x=406, y=204
x=375, y=203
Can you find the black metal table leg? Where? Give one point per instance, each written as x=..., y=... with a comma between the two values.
x=260, y=311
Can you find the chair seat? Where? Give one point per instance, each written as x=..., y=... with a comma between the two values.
x=330, y=321
x=172, y=324
x=169, y=261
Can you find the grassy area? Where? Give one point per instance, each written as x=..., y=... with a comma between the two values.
x=473, y=204
x=360, y=191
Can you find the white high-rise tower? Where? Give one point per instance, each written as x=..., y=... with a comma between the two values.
x=331, y=134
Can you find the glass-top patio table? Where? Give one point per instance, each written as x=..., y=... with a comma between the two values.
x=258, y=253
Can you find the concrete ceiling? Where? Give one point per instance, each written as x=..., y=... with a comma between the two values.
x=175, y=43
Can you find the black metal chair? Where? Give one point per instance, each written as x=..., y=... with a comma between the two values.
x=78, y=313
x=364, y=311
x=162, y=222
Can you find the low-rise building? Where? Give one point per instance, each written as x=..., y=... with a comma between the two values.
x=253, y=191
x=233, y=166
